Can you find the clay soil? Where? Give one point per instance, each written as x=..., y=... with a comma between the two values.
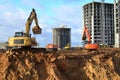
x=77, y=64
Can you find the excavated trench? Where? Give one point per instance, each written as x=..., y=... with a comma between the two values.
x=78, y=64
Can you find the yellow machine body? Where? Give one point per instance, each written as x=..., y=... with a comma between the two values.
x=19, y=41
x=22, y=41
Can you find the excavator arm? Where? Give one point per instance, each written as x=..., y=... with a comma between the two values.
x=86, y=34
x=36, y=29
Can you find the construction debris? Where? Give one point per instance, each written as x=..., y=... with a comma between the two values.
x=36, y=64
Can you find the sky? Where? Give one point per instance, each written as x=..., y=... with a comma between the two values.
x=50, y=14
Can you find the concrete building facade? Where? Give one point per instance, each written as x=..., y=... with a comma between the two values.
x=98, y=17
x=62, y=37
x=117, y=22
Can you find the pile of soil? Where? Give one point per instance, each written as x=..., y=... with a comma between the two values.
x=78, y=64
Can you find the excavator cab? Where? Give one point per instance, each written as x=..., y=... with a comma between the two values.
x=21, y=34
x=36, y=30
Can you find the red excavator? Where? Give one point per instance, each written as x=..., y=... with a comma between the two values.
x=88, y=45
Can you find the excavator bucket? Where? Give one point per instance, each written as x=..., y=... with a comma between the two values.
x=36, y=30
x=83, y=37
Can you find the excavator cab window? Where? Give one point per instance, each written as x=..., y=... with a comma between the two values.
x=21, y=34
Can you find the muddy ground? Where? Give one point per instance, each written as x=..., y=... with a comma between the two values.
x=77, y=64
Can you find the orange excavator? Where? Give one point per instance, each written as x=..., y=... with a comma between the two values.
x=88, y=45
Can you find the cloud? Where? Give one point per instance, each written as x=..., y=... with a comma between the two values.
x=62, y=15
x=14, y=19
x=68, y=13
x=71, y=16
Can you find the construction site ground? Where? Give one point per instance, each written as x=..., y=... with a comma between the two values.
x=75, y=64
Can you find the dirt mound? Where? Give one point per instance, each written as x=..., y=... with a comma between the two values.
x=36, y=64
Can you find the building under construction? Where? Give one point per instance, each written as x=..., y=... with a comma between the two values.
x=117, y=22
x=98, y=17
x=62, y=37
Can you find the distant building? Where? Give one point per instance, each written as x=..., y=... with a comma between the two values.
x=3, y=45
x=117, y=22
x=98, y=17
x=62, y=37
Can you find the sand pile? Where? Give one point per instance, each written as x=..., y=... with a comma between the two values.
x=36, y=64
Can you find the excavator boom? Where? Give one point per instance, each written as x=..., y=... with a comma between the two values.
x=86, y=34
x=36, y=29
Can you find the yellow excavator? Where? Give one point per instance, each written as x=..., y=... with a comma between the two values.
x=24, y=39
x=67, y=46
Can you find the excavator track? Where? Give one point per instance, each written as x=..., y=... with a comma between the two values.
x=29, y=49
